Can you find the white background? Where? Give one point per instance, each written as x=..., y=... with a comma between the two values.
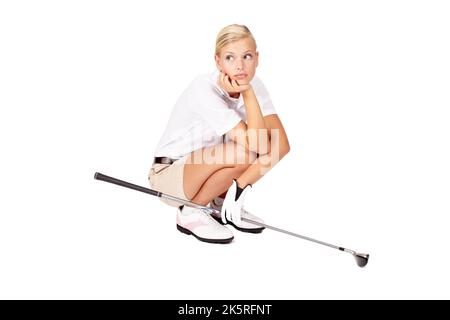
x=362, y=88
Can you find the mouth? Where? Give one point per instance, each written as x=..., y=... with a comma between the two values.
x=241, y=76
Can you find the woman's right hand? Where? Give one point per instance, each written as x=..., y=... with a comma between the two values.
x=231, y=85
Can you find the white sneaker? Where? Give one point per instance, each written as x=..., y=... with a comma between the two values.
x=201, y=225
x=243, y=226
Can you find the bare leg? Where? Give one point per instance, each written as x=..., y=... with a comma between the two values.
x=216, y=184
x=258, y=168
x=197, y=172
x=223, y=195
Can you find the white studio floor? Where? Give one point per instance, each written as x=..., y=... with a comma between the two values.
x=362, y=93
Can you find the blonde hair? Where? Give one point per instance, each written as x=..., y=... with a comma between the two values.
x=231, y=33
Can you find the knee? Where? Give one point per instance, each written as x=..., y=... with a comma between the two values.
x=237, y=156
x=243, y=157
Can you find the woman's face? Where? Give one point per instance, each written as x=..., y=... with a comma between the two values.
x=239, y=58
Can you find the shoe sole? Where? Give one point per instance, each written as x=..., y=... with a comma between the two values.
x=188, y=232
x=256, y=230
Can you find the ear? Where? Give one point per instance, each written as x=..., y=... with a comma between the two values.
x=217, y=58
x=257, y=58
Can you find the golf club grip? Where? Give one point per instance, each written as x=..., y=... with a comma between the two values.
x=102, y=177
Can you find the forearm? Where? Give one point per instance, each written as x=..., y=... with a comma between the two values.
x=256, y=128
x=255, y=119
x=262, y=165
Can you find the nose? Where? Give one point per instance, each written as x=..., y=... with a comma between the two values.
x=240, y=64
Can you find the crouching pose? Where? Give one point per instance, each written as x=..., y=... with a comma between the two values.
x=223, y=135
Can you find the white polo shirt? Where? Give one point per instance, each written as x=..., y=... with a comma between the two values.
x=204, y=113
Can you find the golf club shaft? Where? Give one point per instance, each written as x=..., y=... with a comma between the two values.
x=102, y=177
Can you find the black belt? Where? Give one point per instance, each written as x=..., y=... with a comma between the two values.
x=164, y=160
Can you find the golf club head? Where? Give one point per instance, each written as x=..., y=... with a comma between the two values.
x=361, y=259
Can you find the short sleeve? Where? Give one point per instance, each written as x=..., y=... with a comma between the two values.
x=264, y=100
x=207, y=101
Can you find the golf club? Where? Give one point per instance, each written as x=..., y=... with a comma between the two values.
x=361, y=258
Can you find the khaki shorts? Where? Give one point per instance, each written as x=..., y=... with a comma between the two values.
x=168, y=179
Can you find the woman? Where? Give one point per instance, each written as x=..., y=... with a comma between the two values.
x=223, y=135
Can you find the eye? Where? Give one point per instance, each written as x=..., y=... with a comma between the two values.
x=248, y=54
x=227, y=57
